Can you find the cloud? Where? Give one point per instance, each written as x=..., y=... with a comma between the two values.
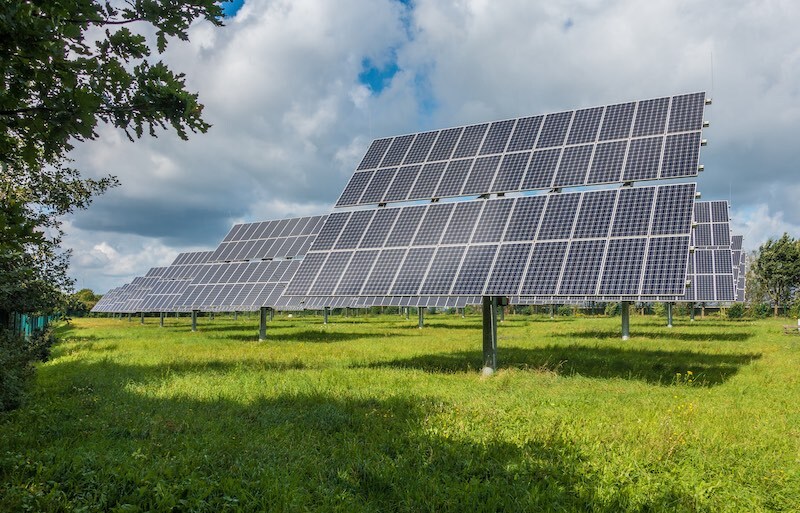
x=288, y=88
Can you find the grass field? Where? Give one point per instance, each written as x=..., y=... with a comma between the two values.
x=374, y=414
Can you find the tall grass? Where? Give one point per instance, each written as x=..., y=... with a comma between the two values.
x=374, y=414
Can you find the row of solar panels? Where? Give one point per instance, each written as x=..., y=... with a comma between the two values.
x=194, y=281
x=625, y=243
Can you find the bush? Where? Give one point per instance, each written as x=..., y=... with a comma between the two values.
x=736, y=311
x=565, y=310
x=760, y=310
x=17, y=355
x=612, y=309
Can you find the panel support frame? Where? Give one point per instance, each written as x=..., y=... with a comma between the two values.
x=625, y=312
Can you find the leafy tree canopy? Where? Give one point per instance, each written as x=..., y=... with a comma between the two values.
x=67, y=66
x=777, y=268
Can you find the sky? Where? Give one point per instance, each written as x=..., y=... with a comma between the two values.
x=297, y=89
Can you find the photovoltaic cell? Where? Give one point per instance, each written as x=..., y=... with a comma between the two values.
x=643, y=159
x=420, y=148
x=585, y=126
x=497, y=138
x=525, y=133
x=397, y=150
x=481, y=176
x=634, y=208
x=545, y=266
x=508, y=268
x=454, y=178
x=617, y=121
x=573, y=166
x=470, y=141
x=427, y=181
x=524, y=221
x=443, y=270
x=445, y=144
x=402, y=183
x=559, y=216
x=554, y=130
x=584, y=261
x=410, y=276
x=595, y=214
x=607, y=162
x=512, y=169
x=474, y=269
x=623, y=267
x=651, y=117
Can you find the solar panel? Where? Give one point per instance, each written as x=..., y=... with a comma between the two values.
x=248, y=270
x=270, y=239
x=645, y=140
x=528, y=245
x=174, y=281
x=715, y=267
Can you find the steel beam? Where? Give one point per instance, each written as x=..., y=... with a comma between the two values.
x=625, y=310
x=262, y=324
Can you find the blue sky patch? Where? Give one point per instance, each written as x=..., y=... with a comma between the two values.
x=375, y=77
x=231, y=7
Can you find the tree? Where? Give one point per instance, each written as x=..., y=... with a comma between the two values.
x=777, y=269
x=66, y=67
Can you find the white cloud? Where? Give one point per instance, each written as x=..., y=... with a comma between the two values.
x=291, y=120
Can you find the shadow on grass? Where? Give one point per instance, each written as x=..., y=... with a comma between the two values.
x=320, y=336
x=292, y=451
x=660, y=334
x=654, y=367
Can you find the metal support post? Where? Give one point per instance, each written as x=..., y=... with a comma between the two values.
x=625, y=310
x=421, y=311
x=691, y=312
x=502, y=314
x=129, y=317
x=325, y=315
x=194, y=320
x=552, y=311
x=211, y=316
x=489, y=335
x=161, y=319
x=669, y=315
x=262, y=327
x=271, y=314
x=407, y=309
x=141, y=317
x=235, y=315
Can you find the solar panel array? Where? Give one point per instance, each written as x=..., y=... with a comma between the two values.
x=617, y=242
x=739, y=260
x=711, y=271
x=251, y=266
x=173, y=282
x=283, y=238
x=644, y=140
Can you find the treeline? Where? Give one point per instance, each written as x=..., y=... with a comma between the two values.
x=773, y=280
x=69, y=66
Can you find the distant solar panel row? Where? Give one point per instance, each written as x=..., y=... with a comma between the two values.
x=645, y=140
x=270, y=239
x=627, y=242
x=174, y=281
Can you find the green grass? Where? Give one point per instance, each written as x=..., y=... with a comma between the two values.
x=373, y=414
